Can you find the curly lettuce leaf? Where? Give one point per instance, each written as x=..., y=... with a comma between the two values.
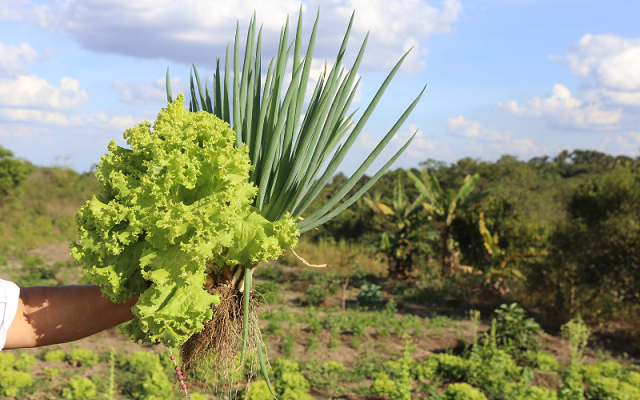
x=180, y=196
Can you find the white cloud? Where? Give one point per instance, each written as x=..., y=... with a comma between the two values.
x=33, y=92
x=149, y=93
x=197, y=30
x=609, y=66
x=460, y=126
x=420, y=147
x=625, y=143
x=611, y=61
x=562, y=109
x=481, y=137
x=53, y=118
x=12, y=59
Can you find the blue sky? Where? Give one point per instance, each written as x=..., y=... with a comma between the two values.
x=519, y=77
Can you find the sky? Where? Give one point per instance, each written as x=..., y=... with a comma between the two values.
x=520, y=77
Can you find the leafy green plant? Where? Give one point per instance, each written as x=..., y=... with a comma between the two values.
x=288, y=345
x=514, y=330
x=315, y=295
x=576, y=333
x=370, y=295
x=83, y=357
x=55, y=356
x=462, y=391
x=542, y=360
x=147, y=379
x=12, y=381
x=80, y=388
x=51, y=372
x=396, y=381
x=270, y=292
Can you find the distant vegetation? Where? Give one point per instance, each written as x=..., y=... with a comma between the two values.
x=559, y=235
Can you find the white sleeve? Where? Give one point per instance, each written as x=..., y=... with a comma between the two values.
x=9, y=294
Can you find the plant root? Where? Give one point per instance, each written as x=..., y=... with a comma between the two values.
x=214, y=353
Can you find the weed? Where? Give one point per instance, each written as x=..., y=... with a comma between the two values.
x=315, y=295
x=288, y=346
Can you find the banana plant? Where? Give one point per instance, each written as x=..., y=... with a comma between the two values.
x=400, y=245
x=442, y=205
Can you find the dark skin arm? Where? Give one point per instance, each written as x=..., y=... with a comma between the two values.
x=50, y=315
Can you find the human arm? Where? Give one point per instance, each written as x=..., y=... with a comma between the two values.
x=49, y=315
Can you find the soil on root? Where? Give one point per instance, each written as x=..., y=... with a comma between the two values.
x=215, y=352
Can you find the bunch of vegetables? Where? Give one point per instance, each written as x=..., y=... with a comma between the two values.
x=209, y=193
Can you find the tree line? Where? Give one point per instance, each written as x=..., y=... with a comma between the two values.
x=558, y=234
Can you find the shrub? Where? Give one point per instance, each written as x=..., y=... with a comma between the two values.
x=448, y=366
x=463, y=391
x=572, y=388
x=315, y=295
x=604, y=388
x=83, y=357
x=525, y=392
x=55, y=356
x=542, y=360
x=149, y=380
x=270, y=292
x=397, y=383
x=80, y=389
x=514, y=330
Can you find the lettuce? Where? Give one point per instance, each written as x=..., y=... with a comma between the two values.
x=178, y=197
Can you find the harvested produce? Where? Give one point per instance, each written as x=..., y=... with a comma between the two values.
x=193, y=198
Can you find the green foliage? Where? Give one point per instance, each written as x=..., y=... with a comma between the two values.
x=51, y=372
x=514, y=331
x=315, y=295
x=288, y=154
x=609, y=380
x=24, y=362
x=571, y=388
x=526, y=392
x=542, y=360
x=83, y=357
x=80, y=389
x=270, y=292
x=577, y=333
x=55, y=356
x=397, y=379
x=491, y=368
x=290, y=383
x=177, y=198
x=268, y=272
x=370, y=295
x=12, y=171
x=259, y=391
x=148, y=380
x=12, y=381
x=462, y=391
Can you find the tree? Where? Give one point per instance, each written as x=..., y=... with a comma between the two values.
x=400, y=245
x=12, y=170
x=442, y=205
